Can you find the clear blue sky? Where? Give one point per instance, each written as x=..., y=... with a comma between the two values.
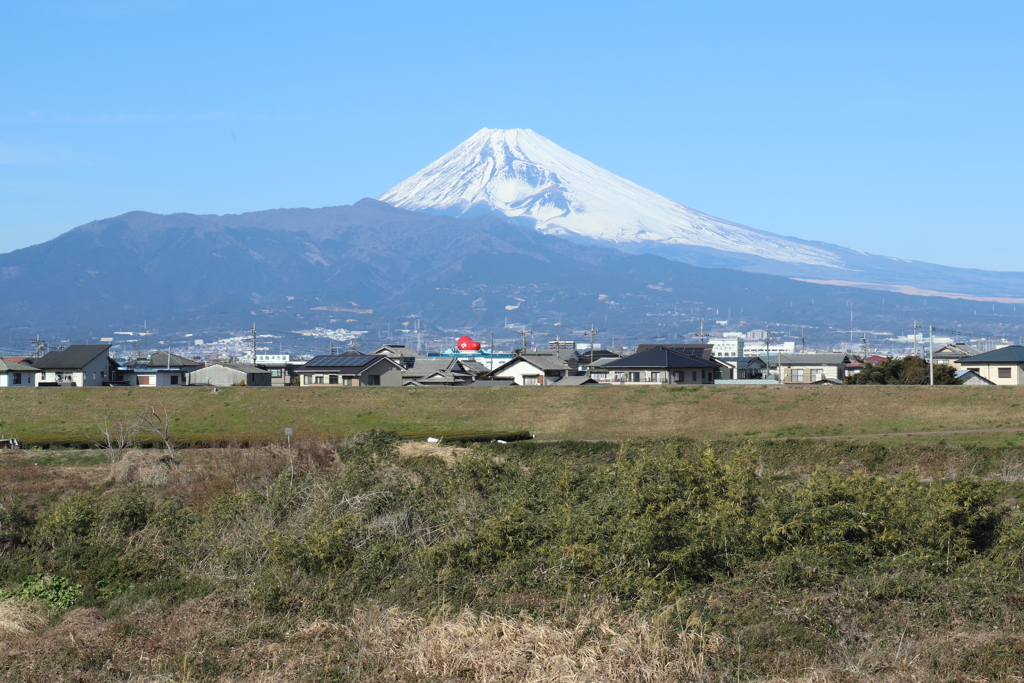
x=896, y=128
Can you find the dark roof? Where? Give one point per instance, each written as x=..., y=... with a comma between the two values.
x=345, y=364
x=158, y=360
x=74, y=357
x=1007, y=354
x=659, y=357
x=596, y=354
x=493, y=383
x=698, y=350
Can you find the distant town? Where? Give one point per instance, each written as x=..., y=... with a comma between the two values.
x=754, y=357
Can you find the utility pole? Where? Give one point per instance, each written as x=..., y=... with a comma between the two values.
x=524, y=332
x=931, y=355
x=702, y=334
x=39, y=347
x=768, y=348
x=916, y=328
x=254, y=343
x=138, y=351
x=864, y=339
x=851, y=322
x=332, y=347
x=803, y=340
x=593, y=333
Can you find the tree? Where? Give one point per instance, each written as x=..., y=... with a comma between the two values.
x=907, y=370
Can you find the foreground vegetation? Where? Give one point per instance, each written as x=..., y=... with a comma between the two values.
x=650, y=560
x=551, y=413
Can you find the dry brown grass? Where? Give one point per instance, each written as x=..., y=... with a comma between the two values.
x=421, y=449
x=486, y=648
x=18, y=617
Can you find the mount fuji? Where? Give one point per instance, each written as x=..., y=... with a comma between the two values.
x=524, y=177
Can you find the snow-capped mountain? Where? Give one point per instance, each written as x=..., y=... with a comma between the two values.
x=523, y=175
x=526, y=178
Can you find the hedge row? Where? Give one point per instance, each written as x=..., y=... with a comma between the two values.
x=224, y=440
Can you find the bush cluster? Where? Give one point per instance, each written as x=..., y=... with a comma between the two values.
x=644, y=521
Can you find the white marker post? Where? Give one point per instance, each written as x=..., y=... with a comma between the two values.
x=291, y=461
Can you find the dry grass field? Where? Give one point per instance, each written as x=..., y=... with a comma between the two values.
x=550, y=413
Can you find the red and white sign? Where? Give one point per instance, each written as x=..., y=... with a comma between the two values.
x=467, y=344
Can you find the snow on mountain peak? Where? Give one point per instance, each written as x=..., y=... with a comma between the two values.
x=522, y=175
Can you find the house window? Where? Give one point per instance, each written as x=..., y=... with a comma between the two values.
x=797, y=375
x=817, y=375
x=694, y=375
x=102, y=374
x=634, y=376
x=373, y=380
x=679, y=377
x=319, y=379
x=174, y=379
x=305, y=379
x=1005, y=373
x=347, y=382
x=145, y=380
x=655, y=376
x=530, y=380
x=17, y=378
x=333, y=379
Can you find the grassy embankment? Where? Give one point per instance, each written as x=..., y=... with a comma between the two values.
x=652, y=560
x=550, y=412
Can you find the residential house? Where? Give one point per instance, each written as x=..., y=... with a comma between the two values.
x=951, y=353
x=440, y=371
x=350, y=371
x=281, y=366
x=399, y=352
x=79, y=365
x=740, y=367
x=229, y=375
x=1003, y=366
x=17, y=374
x=704, y=351
x=586, y=358
x=536, y=368
x=161, y=369
x=808, y=368
x=663, y=365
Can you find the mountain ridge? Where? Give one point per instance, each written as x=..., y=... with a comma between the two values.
x=371, y=264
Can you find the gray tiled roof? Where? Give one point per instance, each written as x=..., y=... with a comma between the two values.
x=242, y=367
x=1007, y=354
x=575, y=381
x=542, y=361
x=660, y=357
x=74, y=357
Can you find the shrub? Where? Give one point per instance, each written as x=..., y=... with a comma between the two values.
x=56, y=591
